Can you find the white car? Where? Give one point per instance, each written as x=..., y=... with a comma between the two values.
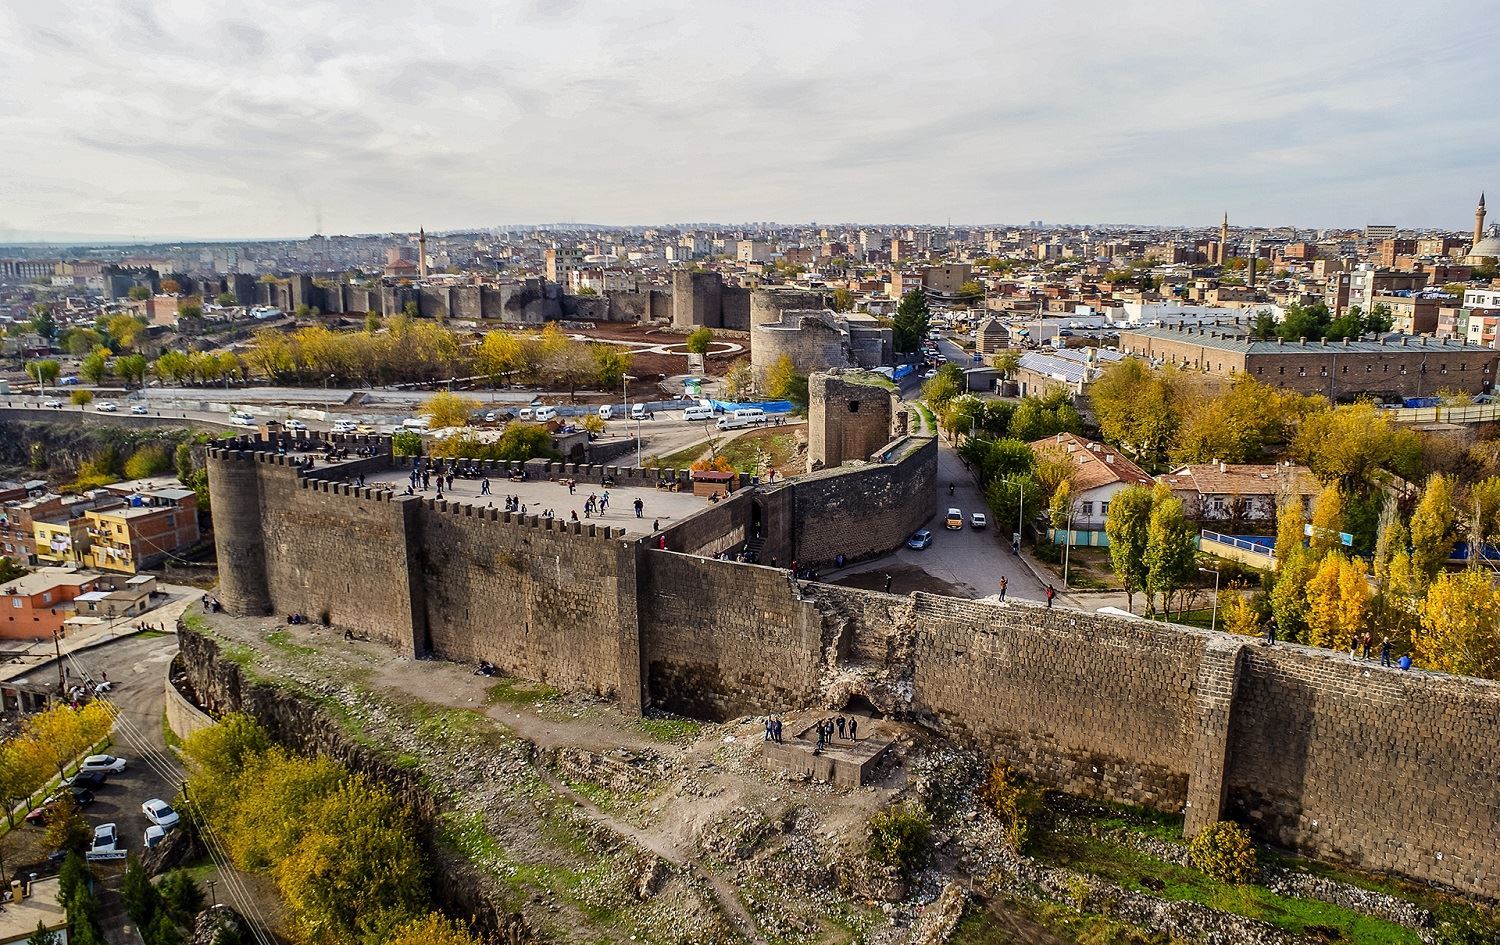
x=154, y=835
x=295, y=424
x=138, y=409
x=52, y=404
x=242, y=419
x=978, y=520
x=929, y=375
x=106, y=406
x=105, y=764
x=160, y=813
x=345, y=426
x=106, y=843
x=491, y=417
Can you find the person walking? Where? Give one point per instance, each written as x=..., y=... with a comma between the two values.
x=1003, y=585
x=1051, y=593
x=1385, y=652
x=639, y=507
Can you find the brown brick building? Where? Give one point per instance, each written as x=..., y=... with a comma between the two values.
x=1392, y=366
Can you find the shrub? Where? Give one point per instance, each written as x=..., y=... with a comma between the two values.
x=899, y=837
x=406, y=443
x=82, y=397
x=149, y=460
x=1006, y=798
x=1224, y=852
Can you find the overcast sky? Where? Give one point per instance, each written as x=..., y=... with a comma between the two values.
x=198, y=119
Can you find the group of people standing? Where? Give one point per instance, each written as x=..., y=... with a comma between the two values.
x=825, y=730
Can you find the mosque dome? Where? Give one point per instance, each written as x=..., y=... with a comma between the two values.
x=1487, y=248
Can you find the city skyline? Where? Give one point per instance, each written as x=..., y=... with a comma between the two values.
x=186, y=124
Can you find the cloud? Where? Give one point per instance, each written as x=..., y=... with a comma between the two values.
x=204, y=119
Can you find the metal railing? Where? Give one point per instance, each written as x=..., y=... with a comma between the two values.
x=1253, y=547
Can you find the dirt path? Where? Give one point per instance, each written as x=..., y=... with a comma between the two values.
x=671, y=850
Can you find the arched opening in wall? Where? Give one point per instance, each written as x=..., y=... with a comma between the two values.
x=859, y=704
x=757, y=520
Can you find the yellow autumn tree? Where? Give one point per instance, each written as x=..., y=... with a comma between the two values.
x=1327, y=520
x=1460, y=630
x=431, y=929
x=447, y=409
x=1238, y=613
x=1338, y=601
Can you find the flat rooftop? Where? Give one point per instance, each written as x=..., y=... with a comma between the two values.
x=539, y=495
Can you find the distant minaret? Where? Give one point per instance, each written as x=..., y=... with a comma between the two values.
x=1479, y=219
x=1224, y=240
x=422, y=252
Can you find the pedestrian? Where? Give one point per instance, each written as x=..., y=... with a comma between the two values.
x=776, y=732
x=1003, y=585
x=484, y=486
x=1385, y=652
x=888, y=582
x=1271, y=633
x=639, y=507
x=656, y=524
x=104, y=675
x=770, y=727
x=1354, y=646
x=1051, y=593
x=840, y=724
x=853, y=729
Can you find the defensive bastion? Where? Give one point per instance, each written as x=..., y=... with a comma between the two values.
x=1313, y=751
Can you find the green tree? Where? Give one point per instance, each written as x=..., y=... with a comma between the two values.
x=911, y=322
x=739, y=381
x=10, y=569
x=1006, y=362
x=971, y=291
x=44, y=372
x=900, y=837
x=780, y=378
x=1171, y=548
x=132, y=368
x=80, y=341
x=44, y=936
x=182, y=461
x=1349, y=443
x=1061, y=508
x=139, y=293
x=1039, y=417
x=125, y=331
x=611, y=364
x=94, y=368
x=190, y=309
x=1128, y=525
x=182, y=896
x=225, y=299
x=843, y=300
x=1008, y=497
x=149, y=460
x=699, y=339
x=943, y=386
x=406, y=443
x=81, y=398
x=43, y=323
x=372, y=322
x=411, y=310
x=141, y=898
x=1139, y=409
x=66, y=828
x=1432, y=526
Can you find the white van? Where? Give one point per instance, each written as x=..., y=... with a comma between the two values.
x=527, y=413
x=638, y=411
x=416, y=423
x=606, y=412
x=345, y=426
x=732, y=422
x=543, y=414
x=698, y=412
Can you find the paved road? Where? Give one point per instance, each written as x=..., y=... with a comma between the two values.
x=971, y=561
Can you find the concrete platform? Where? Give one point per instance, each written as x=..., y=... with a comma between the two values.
x=843, y=762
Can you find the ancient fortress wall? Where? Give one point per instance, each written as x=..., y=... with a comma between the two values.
x=1388, y=770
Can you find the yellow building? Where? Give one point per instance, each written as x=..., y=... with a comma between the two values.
x=149, y=527
x=61, y=542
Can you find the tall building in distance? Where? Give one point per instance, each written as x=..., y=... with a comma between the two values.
x=1479, y=215
x=422, y=252
x=1224, y=240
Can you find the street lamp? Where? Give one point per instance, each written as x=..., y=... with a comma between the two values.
x=1213, y=621
x=1067, y=545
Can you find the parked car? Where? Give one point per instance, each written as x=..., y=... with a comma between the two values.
x=138, y=409
x=106, y=844
x=954, y=520
x=104, y=764
x=929, y=374
x=919, y=540
x=295, y=424
x=160, y=813
x=106, y=406
x=53, y=404
x=41, y=813
x=978, y=520
x=154, y=835
x=345, y=426
x=82, y=796
x=86, y=780
x=242, y=419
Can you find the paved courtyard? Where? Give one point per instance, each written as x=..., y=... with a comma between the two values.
x=538, y=496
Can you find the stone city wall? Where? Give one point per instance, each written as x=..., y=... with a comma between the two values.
x=1312, y=750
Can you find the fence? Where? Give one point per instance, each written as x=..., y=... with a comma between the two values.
x=1253, y=550
x=1466, y=413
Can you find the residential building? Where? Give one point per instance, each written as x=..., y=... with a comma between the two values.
x=1238, y=494
x=1100, y=472
x=560, y=261
x=1392, y=366
x=36, y=605
x=147, y=528
x=1072, y=369
x=18, y=521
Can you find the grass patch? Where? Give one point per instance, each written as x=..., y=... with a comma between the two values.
x=194, y=621
x=755, y=452
x=467, y=834
x=170, y=737
x=671, y=730
x=282, y=640
x=518, y=692
x=239, y=654
x=444, y=724
x=925, y=412
x=149, y=634
x=681, y=459
x=1136, y=871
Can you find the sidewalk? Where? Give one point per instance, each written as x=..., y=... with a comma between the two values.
x=164, y=615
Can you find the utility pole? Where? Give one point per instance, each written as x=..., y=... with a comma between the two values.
x=62, y=679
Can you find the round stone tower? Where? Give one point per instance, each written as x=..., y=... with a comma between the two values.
x=234, y=484
x=767, y=305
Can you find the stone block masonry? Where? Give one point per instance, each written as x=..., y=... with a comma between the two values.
x=1312, y=750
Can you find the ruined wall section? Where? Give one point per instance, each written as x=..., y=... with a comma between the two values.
x=864, y=511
